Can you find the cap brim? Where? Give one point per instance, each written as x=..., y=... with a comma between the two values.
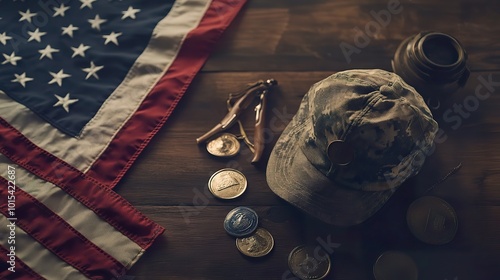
x=292, y=177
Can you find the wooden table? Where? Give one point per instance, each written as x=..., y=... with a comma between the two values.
x=297, y=42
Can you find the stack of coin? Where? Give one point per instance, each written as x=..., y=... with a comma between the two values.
x=432, y=220
x=242, y=222
x=225, y=145
x=394, y=265
x=308, y=262
x=227, y=183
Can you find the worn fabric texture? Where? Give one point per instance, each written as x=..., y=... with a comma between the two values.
x=385, y=121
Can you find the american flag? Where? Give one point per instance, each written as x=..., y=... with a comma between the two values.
x=84, y=85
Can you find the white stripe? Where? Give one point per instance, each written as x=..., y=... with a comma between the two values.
x=81, y=218
x=36, y=256
x=82, y=152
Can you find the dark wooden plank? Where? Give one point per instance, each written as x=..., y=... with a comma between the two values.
x=168, y=184
x=306, y=35
x=200, y=249
x=297, y=43
x=160, y=177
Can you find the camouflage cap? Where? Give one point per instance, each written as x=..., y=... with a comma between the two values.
x=356, y=137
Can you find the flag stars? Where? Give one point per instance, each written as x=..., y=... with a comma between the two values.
x=27, y=16
x=112, y=37
x=92, y=70
x=47, y=52
x=80, y=50
x=22, y=79
x=58, y=77
x=61, y=11
x=36, y=35
x=68, y=30
x=4, y=38
x=86, y=3
x=12, y=59
x=96, y=22
x=130, y=13
x=64, y=102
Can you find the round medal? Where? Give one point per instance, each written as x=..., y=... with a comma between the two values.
x=241, y=221
x=225, y=145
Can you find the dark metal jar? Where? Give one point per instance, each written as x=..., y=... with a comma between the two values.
x=433, y=63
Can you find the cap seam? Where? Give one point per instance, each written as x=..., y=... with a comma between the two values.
x=366, y=110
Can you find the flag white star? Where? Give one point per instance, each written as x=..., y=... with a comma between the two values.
x=96, y=22
x=61, y=11
x=80, y=50
x=130, y=13
x=69, y=30
x=86, y=3
x=64, y=102
x=58, y=77
x=47, y=52
x=26, y=15
x=12, y=59
x=112, y=37
x=36, y=35
x=92, y=70
x=4, y=38
x=22, y=79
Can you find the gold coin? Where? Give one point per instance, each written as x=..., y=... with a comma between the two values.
x=227, y=183
x=226, y=145
x=259, y=244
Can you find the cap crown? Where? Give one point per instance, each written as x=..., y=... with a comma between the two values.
x=383, y=119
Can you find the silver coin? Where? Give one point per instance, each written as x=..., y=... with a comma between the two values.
x=241, y=221
x=227, y=183
x=395, y=265
x=308, y=262
x=259, y=244
x=226, y=145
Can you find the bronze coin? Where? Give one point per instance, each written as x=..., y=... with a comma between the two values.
x=308, y=262
x=394, y=265
x=432, y=220
x=259, y=244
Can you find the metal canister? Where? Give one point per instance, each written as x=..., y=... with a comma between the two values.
x=433, y=63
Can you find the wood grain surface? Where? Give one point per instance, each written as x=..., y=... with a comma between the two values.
x=297, y=42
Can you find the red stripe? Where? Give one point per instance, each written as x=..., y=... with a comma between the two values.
x=21, y=270
x=107, y=204
x=50, y=230
x=159, y=104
